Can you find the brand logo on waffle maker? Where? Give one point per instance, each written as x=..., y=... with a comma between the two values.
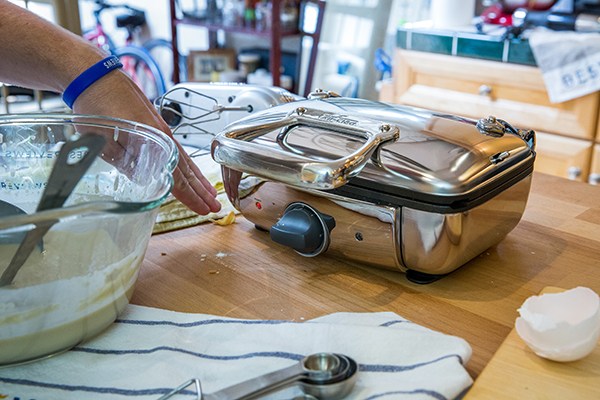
x=339, y=119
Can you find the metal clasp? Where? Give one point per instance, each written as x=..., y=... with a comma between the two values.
x=321, y=94
x=496, y=127
x=491, y=126
x=497, y=158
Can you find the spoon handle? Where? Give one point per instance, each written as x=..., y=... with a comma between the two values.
x=69, y=168
x=65, y=175
x=260, y=385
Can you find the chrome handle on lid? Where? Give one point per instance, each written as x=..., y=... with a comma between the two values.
x=234, y=148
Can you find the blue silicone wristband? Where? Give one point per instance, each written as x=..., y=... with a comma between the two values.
x=88, y=77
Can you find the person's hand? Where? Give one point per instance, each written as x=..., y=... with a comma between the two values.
x=115, y=95
x=38, y=54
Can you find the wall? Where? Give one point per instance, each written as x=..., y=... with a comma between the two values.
x=42, y=9
x=352, y=31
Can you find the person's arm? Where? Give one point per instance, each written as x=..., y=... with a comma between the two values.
x=37, y=54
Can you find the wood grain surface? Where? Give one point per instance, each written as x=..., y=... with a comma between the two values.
x=237, y=271
x=531, y=376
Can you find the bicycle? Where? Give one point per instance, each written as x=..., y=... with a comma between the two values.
x=137, y=61
x=161, y=50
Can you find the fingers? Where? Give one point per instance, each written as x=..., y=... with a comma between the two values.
x=128, y=102
x=192, y=188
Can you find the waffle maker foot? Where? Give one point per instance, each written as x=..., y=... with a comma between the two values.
x=421, y=277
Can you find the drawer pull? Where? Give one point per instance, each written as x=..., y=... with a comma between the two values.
x=594, y=179
x=573, y=173
x=485, y=90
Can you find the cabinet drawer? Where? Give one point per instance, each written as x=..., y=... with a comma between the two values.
x=478, y=88
x=562, y=156
x=594, y=177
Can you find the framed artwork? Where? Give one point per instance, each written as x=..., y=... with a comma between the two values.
x=202, y=64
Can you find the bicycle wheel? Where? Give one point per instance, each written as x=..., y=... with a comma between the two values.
x=144, y=71
x=102, y=41
x=161, y=51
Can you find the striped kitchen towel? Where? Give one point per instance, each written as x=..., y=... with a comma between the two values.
x=148, y=352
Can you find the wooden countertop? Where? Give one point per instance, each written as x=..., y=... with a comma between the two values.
x=236, y=271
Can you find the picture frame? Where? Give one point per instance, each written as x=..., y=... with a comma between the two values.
x=203, y=64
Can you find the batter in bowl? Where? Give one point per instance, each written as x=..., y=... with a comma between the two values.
x=66, y=293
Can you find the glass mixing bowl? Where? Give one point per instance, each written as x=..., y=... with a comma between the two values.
x=82, y=273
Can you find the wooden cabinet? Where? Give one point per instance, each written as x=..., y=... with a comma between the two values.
x=516, y=93
x=594, y=177
x=563, y=156
x=598, y=130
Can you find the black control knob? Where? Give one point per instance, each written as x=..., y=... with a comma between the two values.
x=304, y=229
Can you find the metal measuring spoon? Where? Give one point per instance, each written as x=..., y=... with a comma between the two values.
x=66, y=173
x=334, y=388
x=326, y=376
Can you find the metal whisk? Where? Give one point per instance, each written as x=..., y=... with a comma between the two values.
x=195, y=110
x=191, y=112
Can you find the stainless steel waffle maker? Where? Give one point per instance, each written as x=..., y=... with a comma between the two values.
x=390, y=186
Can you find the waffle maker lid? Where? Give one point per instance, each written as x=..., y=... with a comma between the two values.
x=378, y=152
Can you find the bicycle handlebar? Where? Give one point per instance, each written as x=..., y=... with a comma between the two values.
x=103, y=5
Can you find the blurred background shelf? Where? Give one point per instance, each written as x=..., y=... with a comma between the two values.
x=272, y=34
x=16, y=100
